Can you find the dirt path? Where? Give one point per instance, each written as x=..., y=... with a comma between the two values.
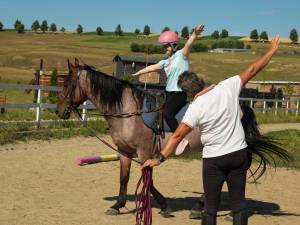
x=279, y=126
x=41, y=185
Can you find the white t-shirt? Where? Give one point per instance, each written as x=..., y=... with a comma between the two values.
x=217, y=114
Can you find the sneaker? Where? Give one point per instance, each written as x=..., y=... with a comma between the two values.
x=181, y=146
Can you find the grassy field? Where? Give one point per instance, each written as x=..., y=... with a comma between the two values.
x=20, y=56
x=288, y=139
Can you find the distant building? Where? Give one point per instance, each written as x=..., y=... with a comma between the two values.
x=230, y=50
x=127, y=65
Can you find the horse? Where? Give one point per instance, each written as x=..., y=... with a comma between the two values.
x=113, y=96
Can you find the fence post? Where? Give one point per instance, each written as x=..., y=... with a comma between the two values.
x=297, y=110
x=287, y=107
x=264, y=107
x=38, y=109
x=251, y=103
x=276, y=107
x=84, y=112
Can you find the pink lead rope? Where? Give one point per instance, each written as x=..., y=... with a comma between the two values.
x=142, y=200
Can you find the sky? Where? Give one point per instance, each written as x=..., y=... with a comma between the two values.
x=239, y=17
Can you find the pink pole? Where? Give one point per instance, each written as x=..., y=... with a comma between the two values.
x=87, y=160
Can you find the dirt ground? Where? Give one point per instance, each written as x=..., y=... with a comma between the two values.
x=41, y=185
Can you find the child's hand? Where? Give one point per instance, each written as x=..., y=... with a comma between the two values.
x=199, y=29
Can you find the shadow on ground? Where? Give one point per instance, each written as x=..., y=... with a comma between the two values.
x=187, y=203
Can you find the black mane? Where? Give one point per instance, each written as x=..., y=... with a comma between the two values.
x=108, y=88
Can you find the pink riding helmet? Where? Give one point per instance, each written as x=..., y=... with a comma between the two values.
x=168, y=37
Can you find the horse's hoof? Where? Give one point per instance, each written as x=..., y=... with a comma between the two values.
x=194, y=214
x=112, y=212
x=166, y=213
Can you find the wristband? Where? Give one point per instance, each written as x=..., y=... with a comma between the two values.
x=161, y=157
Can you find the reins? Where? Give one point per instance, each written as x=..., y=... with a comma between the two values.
x=143, y=199
x=100, y=139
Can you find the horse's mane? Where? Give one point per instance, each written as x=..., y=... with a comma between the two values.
x=110, y=89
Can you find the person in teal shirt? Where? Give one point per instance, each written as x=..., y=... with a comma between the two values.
x=176, y=63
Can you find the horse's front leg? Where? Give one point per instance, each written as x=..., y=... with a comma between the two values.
x=125, y=164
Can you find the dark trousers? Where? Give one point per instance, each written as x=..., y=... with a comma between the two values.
x=231, y=168
x=174, y=102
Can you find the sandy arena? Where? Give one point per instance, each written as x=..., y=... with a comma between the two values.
x=41, y=185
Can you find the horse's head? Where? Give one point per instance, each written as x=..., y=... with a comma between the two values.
x=72, y=94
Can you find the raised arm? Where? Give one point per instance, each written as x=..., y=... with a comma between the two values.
x=257, y=66
x=188, y=45
x=148, y=69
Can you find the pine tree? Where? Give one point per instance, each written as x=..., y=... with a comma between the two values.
x=294, y=36
x=165, y=29
x=1, y=26
x=215, y=34
x=264, y=36
x=137, y=31
x=35, y=26
x=99, y=31
x=53, y=27
x=185, y=32
x=146, y=30
x=254, y=35
x=44, y=26
x=79, y=29
x=53, y=82
x=118, y=30
x=224, y=33
x=18, y=22
x=20, y=28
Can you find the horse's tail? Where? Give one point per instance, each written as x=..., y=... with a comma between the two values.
x=265, y=150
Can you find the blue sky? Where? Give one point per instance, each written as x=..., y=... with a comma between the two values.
x=239, y=17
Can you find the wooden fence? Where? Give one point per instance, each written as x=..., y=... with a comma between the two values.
x=256, y=104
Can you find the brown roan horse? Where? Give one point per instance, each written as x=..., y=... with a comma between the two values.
x=132, y=137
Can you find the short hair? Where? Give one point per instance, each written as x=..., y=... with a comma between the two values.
x=190, y=83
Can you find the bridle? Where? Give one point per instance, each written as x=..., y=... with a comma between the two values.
x=71, y=93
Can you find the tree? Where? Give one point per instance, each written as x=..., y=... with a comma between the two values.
x=1, y=26
x=53, y=27
x=118, y=30
x=215, y=34
x=264, y=36
x=224, y=33
x=35, y=26
x=137, y=31
x=293, y=36
x=79, y=29
x=53, y=82
x=99, y=31
x=185, y=32
x=254, y=35
x=18, y=22
x=44, y=26
x=20, y=28
x=165, y=29
x=63, y=30
x=146, y=30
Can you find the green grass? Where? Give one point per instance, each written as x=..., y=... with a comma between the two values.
x=281, y=117
x=11, y=133
x=287, y=139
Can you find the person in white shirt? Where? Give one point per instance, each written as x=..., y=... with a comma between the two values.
x=217, y=114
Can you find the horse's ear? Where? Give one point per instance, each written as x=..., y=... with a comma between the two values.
x=76, y=62
x=71, y=67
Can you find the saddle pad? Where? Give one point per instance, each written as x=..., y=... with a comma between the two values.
x=150, y=118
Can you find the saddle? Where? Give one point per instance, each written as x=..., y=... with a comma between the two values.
x=154, y=120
